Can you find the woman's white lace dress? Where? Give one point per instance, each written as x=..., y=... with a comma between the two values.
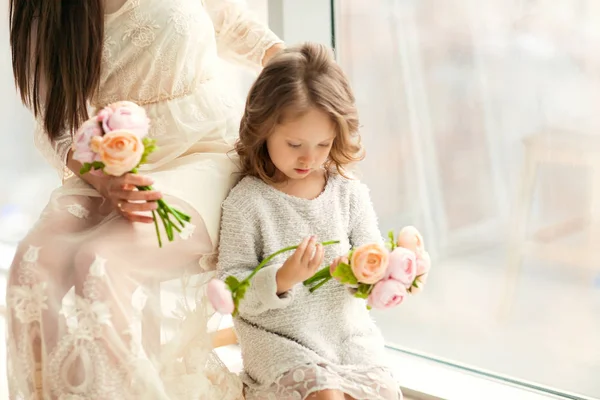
x=85, y=308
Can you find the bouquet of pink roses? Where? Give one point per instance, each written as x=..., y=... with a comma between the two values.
x=115, y=142
x=382, y=275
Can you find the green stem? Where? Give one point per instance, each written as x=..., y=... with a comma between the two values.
x=156, y=228
x=324, y=281
x=167, y=215
x=269, y=258
x=166, y=223
x=175, y=213
x=321, y=274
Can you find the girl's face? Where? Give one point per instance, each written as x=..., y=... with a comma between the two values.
x=302, y=145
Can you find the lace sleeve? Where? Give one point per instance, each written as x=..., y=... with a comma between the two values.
x=55, y=152
x=240, y=36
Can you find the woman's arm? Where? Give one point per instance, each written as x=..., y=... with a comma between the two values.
x=240, y=36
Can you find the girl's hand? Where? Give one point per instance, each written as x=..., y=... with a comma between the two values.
x=336, y=261
x=301, y=265
x=126, y=198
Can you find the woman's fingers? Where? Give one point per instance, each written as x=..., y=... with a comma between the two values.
x=135, y=180
x=128, y=207
x=136, y=195
x=138, y=218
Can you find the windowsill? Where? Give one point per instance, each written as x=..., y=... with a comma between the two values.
x=424, y=379
x=427, y=377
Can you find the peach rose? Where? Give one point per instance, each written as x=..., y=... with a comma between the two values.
x=402, y=266
x=219, y=296
x=387, y=294
x=120, y=151
x=369, y=263
x=410, y=238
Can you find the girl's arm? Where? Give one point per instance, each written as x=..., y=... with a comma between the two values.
x=364, y=227
x=240, y=250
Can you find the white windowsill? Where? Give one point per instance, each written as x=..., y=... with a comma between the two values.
x=423, y=376
x=426, y=377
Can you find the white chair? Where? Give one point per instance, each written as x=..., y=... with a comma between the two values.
x=554, y=148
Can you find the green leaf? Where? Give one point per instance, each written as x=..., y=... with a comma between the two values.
x=392, y=242
x=232, y=283
x=363, y=291
x=241, y=290
x=149, y=147
x=345, y=274
x=85, y=168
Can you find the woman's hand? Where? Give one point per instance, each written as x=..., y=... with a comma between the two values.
x=272, y=51
x=301, y=265
x=126, y=198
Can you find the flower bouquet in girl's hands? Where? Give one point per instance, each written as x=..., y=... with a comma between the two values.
x=115, y=142
x=225, y=296
x=382, y=275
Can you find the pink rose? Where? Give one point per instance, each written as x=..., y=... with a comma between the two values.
x=423, y=263
x=386, y=294
x=410, y=238
x=369, y=263
x=219, y=296
x=402, y=266
x=120, y=151
x=82, y=151
x=124, y=115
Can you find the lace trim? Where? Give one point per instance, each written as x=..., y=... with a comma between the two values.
x=369, y=383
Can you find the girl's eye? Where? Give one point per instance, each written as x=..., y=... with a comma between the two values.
x=293, y=146
x=325, y=144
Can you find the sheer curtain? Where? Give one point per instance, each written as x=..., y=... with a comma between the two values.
x=481, y=125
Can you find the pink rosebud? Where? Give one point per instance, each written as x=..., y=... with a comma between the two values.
x=82, y=150
x=386, y=294
x=125, y=115
x=410, y=238
x=219, y=296
x=423, y=263
x=402, y=267
x=369, y=263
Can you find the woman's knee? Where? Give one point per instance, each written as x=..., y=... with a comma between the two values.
x=327, y=395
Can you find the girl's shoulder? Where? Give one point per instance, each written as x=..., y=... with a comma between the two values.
x=348, y=184
x=249, y=190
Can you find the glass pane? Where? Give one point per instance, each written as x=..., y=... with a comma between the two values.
x=481, y=127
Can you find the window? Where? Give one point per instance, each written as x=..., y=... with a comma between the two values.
x=481, y=127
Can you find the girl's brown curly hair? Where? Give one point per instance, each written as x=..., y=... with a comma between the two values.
x=293, y=82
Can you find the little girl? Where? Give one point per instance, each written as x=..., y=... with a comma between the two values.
x=298, y=134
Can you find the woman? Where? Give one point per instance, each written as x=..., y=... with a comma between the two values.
x=78, y=282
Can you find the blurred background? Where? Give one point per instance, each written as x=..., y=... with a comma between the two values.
x=482, y=129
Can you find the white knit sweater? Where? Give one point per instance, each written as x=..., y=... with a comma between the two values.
x=328, y=327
